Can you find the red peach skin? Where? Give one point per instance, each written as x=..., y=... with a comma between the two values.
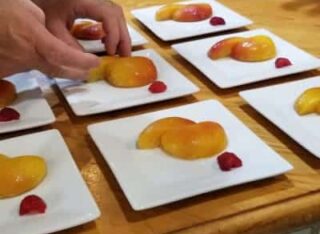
x=88, y=30
x=224, y=47
x=193, y=13
x=7, y=93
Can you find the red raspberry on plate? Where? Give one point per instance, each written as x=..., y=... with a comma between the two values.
x=217, y=21
x=8, y=114
x=157, y=87
x=228, y=160
x=282, y=62
x=32, y=204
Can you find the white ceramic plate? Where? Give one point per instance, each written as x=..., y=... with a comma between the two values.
x=276, y=103
x=69, y=202
x=228, y=72
x=98, y=97
x=95, y=46
x=171, y=30
x=33, y=108
x=151, y=178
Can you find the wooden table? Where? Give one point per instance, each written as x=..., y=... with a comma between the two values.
x=267, y=206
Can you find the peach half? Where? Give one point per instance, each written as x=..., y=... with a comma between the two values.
x=308, y=102
x=196, y=141
x=7, y=93
x=184, y=12
x=254, y=49
x=125, y=72
x=224, y=47
x=20, y=174
x=88, y=30
x=149, y=138
x=166, y=12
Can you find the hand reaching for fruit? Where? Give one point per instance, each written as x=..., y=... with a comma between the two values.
x=308, y=102
x=60, y=16
x=27, y=44
x=20, y=174
x=252, y=49
x=125, y=72
x=183, y=138
x=184, y=12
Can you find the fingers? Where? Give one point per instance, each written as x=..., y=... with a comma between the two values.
x=63, y=71
x=58, y=59
x=124, y=47
x=112, y=38
x=112, y=18
x=58, y=28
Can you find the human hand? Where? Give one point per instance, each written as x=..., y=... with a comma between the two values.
x=60, y=16
x=26, y=44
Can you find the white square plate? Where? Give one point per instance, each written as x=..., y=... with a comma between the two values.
x=96, y=46
x=33, y=108
x=172, y=30
x=69, y=202
x=276, y=103
x=150, y=178
x=98, y=97
x=228, y=72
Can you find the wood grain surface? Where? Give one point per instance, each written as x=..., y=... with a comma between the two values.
x=268, y=206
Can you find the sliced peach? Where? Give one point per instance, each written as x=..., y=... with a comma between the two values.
x=254, y=49
x=98, y=73
x=224, y=47
x=20, y=174
x=149, y=138
x=7, y=93
x=308, y=102
x=127, y=72
x=88, y=30
x=200, y=140
x=193, y=13
x=166, y=12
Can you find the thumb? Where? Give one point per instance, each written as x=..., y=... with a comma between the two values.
x=56, y=53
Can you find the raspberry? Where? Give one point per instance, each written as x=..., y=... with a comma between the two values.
x=157, y=87
x=32, y=204
x=282, y=62
x=228, y=160
x=217, y=21
x=8, y=114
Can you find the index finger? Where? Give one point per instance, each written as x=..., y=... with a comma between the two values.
x=107, y=12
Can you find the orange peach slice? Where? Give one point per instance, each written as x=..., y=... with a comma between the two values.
x=224, y=47
x=166, y=12
x=20, y=174
x=7, y=93
x=308, y=102
x=88, y=30
x=254, y=49
x=127, y=72
x=196, y=141
x=193, y=12
x=149, y=138
x=98, y=73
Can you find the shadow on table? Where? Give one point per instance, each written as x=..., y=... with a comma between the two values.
x=312, y=6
